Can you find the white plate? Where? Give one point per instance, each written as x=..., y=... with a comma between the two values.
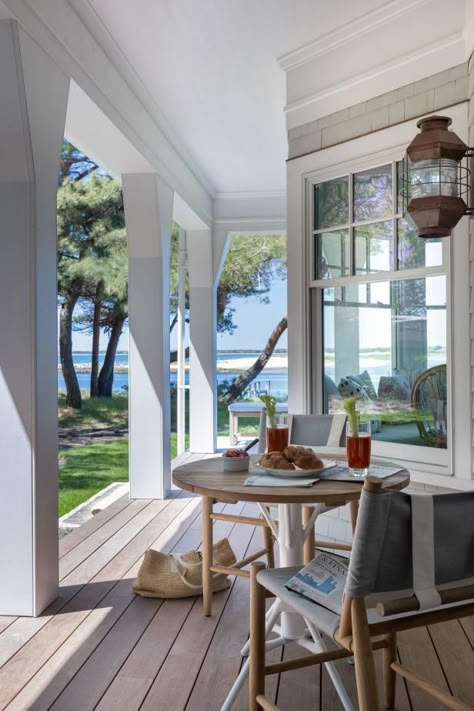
x=299, y=473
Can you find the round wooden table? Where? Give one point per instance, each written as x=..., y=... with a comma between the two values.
x=207, y=478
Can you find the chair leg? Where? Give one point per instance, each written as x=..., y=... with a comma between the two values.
x=389, y=675
x=308, y=546
x=354, y=509
x=363, y=658
x=207, y=503
x=257, y=638
x=268, y=540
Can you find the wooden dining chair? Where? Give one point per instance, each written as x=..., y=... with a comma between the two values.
x=325, y=430
x=412, y=564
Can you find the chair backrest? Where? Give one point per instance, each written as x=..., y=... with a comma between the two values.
x=310, y=430
x=411, y=544
x=429, y=401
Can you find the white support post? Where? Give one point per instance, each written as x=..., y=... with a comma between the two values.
x=34, y=95
x=148, y=206
x=181, y=327
x=202, y=332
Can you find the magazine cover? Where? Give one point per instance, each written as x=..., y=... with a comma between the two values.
x=322, y=580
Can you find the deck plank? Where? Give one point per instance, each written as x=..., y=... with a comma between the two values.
x=91, y=544
x=222, y=661
x=57, y=629
x=79, y=534
x=171, y=687
x=417, y=652
x=140, y=669
x=455, y=655
x=100, y=646
x=53, y=677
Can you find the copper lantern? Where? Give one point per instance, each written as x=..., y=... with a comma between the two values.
x=436, y=178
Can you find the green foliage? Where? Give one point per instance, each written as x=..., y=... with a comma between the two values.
x=352, y=414
x=252, y=263
x=270, y=403
x=89, y=469
x=96, y=413
x=92, y=245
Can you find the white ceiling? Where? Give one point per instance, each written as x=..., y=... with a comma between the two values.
x=210, y=69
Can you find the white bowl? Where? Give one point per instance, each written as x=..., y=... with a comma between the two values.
x=236, y=464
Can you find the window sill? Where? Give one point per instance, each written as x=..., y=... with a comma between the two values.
x=440, y=481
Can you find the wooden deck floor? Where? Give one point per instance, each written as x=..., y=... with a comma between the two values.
x=101, y=647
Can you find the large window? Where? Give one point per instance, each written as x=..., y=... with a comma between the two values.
x=382, y=293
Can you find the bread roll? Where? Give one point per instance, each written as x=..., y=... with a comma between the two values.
x=275, y=460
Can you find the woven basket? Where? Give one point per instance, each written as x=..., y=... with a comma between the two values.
x=169, y=576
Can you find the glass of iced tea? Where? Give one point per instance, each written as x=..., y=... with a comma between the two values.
x=277, y=437
x=358, y=445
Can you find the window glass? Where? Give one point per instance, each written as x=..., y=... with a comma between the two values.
x=386, y=342
x=415, y=252
x=331, y=201
x=373, y=194
x=332, y=254
x=374, y=247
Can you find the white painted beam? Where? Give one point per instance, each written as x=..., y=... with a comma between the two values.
x=34, y=97
x=181, y=331
x=148, y=214
x=203, y=386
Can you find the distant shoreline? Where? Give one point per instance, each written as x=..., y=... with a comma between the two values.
x=224, y=365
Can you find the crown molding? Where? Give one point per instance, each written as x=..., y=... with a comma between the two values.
x=413, y=57
x=357, y=28
x=261, y=195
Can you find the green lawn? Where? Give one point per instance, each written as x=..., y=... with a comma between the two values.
x=90, y=468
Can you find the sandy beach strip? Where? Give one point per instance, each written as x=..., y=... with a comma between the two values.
x=229, y=365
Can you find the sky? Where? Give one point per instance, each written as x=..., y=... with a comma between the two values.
x=255, y=322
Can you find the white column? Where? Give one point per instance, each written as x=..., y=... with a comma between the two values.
x=202, y=335
x=181, y=328
x=148, y=206
x=34, y=99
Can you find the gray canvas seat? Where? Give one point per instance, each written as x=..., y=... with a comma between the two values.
x=412, y=563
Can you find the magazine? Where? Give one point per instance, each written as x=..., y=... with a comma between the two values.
x=323, y=580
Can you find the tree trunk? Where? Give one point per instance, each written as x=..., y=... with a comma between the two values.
x=106, y=375
x=240, y=383
x=174, y=355
x=95, y=343
x=73, y=392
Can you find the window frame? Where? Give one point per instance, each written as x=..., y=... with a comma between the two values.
x=438, y=460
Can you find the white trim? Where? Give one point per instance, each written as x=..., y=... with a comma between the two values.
x=362, y=153
x=432, y=49
x=356, y=28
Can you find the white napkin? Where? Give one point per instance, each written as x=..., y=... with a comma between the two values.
x=268, y=480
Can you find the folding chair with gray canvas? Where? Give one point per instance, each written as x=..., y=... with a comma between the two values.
x=412, y=564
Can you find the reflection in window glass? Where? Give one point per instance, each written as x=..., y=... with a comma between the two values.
x=373, y=198
x=387, y=345
x=414, y=251
x=332, y=254
x=374, y=248
x=331, y=200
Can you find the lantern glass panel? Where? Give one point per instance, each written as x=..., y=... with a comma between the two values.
x=434, y=177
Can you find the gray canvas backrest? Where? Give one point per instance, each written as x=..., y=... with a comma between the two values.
x=314, y=430
x=306, y=430
x=382, y=556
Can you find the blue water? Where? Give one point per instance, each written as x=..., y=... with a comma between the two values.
x=275, y=381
